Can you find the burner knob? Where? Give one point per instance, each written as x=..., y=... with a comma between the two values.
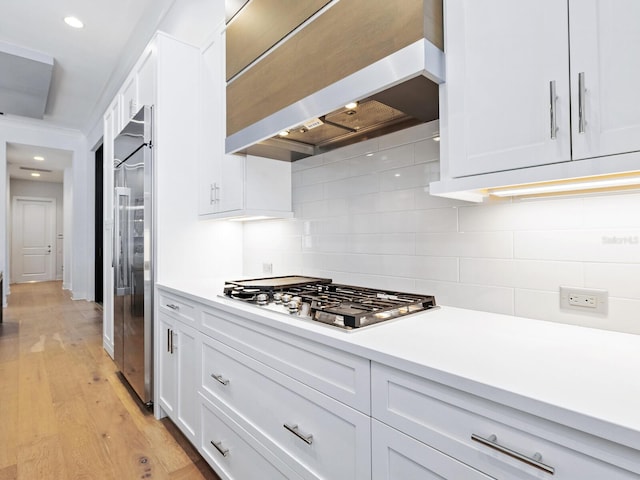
x=262, y=299
x=277, y=297
x=286, y=298
x=293, y=306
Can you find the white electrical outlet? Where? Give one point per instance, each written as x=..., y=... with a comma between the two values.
x=267, y=268
x=587, y=300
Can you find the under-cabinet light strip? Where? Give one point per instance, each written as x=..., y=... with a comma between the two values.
x=585, y=183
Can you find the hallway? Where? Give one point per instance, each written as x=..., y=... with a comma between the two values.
x=64, y=412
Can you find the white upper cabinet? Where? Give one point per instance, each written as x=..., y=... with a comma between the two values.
x=535, y=86
x=233, y=185
x=605, y=54
x=504, y=59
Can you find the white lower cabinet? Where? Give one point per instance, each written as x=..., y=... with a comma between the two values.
x=233, y=452
x=178, y=377
x=501, y=442
x=317, y=436
x=397, y=456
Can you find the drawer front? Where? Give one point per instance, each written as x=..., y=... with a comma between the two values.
x=338, y=374
x=447, y=419
x=315, y=435
x=177, y=307
x=397, y=456
x=225, y=446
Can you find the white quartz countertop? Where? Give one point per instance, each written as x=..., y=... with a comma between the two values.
x=584, y=378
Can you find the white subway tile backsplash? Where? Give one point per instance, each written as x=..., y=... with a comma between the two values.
x=309, y=162
x=487, y=271
x=612, y=211
x=308, y=193
x=544, y=275
x=402, y=178
x=475, y=244
x=474, y=297
x=529, y=215
x=358, y=223
x=384, y=243
x=619, y=279
x=354, y=186
x=615, y=246
x=426, y=151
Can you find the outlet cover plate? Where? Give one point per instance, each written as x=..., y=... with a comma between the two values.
x=585, y=300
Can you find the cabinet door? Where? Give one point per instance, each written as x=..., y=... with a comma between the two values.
x=167, y=365
x=186, y=351
x=212, y=114
x=129, y=100
x=605, y=52
x=230, y=193
x=397, y=456
x=504, y=59
x=146, y=73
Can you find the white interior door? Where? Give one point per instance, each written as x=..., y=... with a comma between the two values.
x=33, y=240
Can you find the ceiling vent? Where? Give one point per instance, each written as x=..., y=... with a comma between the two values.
x=25, y=79
x=31, y=169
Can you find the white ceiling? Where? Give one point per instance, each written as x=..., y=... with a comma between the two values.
x=89, y=63
x=20, y=157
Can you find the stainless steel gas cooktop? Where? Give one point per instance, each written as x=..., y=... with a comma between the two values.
x=345, y=306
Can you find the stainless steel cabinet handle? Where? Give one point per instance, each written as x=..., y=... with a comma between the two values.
x=221, y=379
x=215, y=190
x=308, y=439
x=173, y=306
x=581, y=99
x=534, y=461
x=223, y=451
x=169, y=340
x=553, y=98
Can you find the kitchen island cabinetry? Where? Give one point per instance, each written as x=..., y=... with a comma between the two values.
x=233, y=185
x=562, y=89
x=427, y=396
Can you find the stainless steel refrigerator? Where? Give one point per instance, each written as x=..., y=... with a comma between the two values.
x=133, y=254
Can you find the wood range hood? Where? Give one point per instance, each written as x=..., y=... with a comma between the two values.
x=290, y=101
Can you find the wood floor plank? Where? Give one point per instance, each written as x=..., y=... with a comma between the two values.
x=9, y=416
x=9, y=473
x=42, y=459
x=35, y=406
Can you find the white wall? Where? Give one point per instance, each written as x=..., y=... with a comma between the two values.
x=29, y=188
x=371, y=221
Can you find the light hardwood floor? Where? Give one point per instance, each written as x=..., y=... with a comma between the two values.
x=64, y=413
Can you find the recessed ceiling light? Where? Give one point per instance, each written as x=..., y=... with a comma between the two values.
x=436, y=138
x=39, y=158
x=351, y=105
x=283, y=133
x=369, y=154
x=35, y=174
x=73, y=22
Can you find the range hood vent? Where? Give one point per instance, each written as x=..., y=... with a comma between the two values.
x=397, y=92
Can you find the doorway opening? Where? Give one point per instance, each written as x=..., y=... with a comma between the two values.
x=40, y=210
x=99, y=186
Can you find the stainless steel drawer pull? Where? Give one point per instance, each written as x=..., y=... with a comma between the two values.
x=308, y=439
x=223, y=451
x=221, y=379
x=581, y=105
x=173, y=306
x=534, y=461
x=553, y=98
